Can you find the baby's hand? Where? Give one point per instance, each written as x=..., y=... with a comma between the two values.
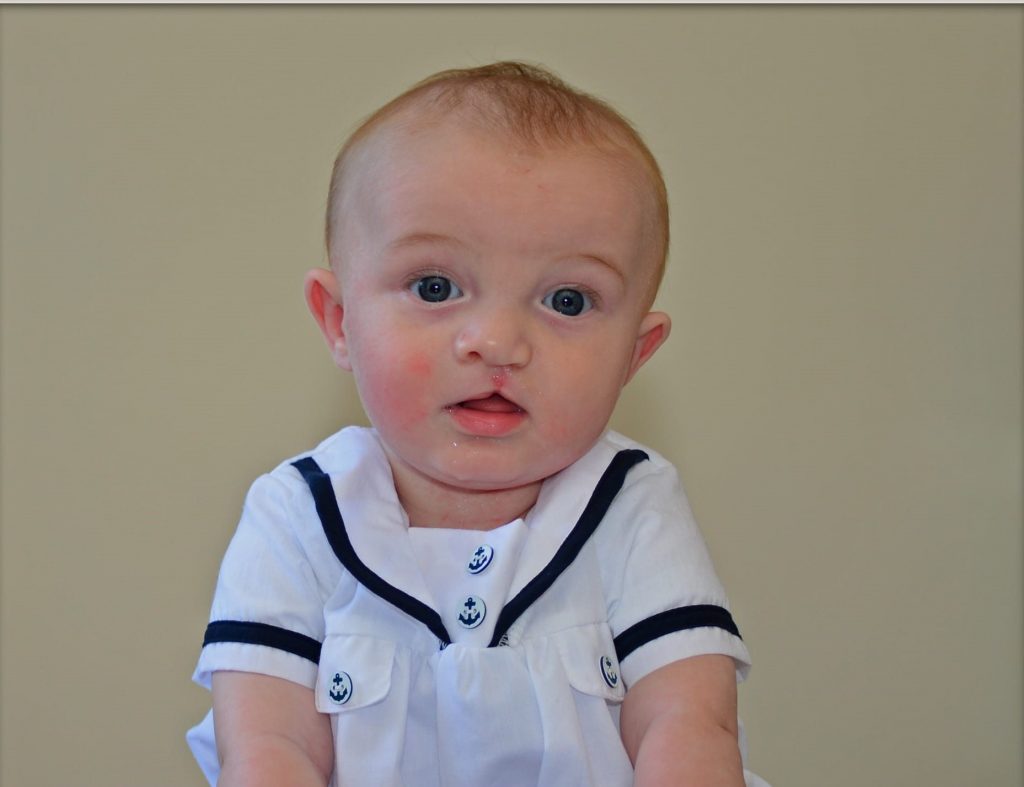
x=679, y=725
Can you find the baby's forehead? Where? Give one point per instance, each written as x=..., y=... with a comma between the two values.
x=405, y=143
x=403, y=158
x=395, y=139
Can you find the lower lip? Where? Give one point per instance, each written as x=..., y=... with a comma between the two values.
x=483, y=423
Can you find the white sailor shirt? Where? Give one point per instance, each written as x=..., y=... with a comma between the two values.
x=321, y=585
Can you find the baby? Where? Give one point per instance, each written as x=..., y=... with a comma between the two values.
x=487, y=587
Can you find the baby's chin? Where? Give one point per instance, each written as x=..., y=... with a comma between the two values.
x=483, y=466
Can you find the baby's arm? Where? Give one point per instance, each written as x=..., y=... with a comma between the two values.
x=269, y=732
x=679, y=725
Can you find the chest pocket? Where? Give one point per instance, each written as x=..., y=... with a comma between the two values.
x=355, y=672
x=589, y=661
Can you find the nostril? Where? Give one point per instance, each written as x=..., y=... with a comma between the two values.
x=498, y=343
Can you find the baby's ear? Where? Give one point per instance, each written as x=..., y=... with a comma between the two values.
x=323, y=297
x=654, y=330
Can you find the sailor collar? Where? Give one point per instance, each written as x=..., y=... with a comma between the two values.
x=367, y=527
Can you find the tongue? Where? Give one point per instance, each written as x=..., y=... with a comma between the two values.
x=495, y=403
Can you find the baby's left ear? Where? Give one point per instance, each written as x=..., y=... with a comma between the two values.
x=654, y=330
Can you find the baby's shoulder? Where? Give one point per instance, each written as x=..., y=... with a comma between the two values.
x=654, y=467
x=651, y=497
x=341, y=454
x=280, y=516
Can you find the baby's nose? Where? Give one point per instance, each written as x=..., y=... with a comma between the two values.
x=497, y=339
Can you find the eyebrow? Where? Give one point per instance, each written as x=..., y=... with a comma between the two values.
x=435, y=239
x=423, y=238
x=600, y=261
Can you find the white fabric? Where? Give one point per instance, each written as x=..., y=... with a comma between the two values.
x=443, y=557
x=538, y=711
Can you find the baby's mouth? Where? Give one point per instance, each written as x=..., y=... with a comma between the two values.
x=487, y=415
x=494, y=403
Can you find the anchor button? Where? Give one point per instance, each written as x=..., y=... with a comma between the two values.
x=340, y=690
x=481, y=559
x=472, y=612
x=608, y=670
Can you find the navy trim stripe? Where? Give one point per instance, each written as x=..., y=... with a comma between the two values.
x=249, y=633
x=334, y=527
x=670, y=621
x=604, y=493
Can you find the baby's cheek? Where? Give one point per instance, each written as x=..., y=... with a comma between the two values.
x=581, y=404
x=419, y=367
x=398, y=390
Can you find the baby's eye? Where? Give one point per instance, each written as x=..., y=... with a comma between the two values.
x=435, y=289
x=568, y=301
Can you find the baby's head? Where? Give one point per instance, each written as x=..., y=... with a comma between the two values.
x=523, y=107
x=496, y=240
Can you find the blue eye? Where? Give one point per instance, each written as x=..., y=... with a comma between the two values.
x=436, y=289
x=568, y=301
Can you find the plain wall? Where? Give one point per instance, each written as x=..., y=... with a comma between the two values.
x=842, y=390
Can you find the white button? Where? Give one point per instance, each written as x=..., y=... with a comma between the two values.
x=340, y=690
x=481, y=559
x=472, y=612
x=611, y=677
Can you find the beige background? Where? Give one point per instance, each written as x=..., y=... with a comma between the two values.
x=842, y=390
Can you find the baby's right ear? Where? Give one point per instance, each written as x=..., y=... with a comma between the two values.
x=323, y=297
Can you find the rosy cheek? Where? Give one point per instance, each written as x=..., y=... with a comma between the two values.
x=399, y=392
x=420, y=367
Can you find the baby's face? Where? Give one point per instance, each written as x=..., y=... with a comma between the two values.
x=495, y=301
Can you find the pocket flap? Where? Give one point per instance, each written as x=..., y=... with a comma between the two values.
x=589, y=661
x=355, y=671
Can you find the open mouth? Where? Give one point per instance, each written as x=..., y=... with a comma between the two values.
x=494, y=403
x=489, y=415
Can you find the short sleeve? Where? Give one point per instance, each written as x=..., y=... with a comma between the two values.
x=267, y=612
x=665, y=601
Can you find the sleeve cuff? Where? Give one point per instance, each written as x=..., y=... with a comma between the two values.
x=262, y=659
x=683, y=644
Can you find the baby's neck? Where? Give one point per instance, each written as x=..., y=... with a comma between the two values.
x=471, y=510
x=429, y=504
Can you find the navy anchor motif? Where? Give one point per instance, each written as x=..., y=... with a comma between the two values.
x=611, y=677
x=473, y=612
x=340, y=691
x=481, y=559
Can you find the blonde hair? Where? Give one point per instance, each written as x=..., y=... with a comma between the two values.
x=530, y=104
